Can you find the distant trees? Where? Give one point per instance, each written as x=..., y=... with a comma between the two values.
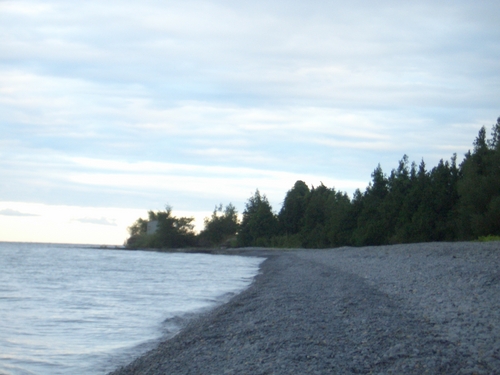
x=372, y=221
x=292, y=212
x=340, y=219
x=479, y=186
x=221, y=227
x=259, y=223
x=411, y=204
x=314, y=231
x=171, y=231
x=138, y=229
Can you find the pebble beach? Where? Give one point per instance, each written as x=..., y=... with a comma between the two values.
x=430, y=308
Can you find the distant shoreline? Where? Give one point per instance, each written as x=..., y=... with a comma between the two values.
x=250, y=251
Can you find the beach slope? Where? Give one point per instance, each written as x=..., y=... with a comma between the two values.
x=404, y=309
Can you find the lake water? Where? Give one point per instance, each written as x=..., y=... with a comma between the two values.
x=77, y=310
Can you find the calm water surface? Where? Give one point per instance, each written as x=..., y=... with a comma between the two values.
x=74, y=310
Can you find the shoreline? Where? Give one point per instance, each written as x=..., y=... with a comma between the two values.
x=418, y=308
x=246, y=251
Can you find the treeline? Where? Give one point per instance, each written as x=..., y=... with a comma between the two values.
x=412, y=204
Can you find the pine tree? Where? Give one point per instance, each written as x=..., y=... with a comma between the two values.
x=292, y=212
x=221, y=227
x=479, y=188
x=371, y=228
x=314, y=231
x=259, y=223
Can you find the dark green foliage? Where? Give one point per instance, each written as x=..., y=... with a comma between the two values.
x=221, y=227
x=372, y=221
x=259, y=223
x=406, y=193
x=412, y=204
x=137, y=233
x=286, y=241
x=139, y=228
x=342, y=218
x=479, y=187
x=293, y=210
x=444, y=198
x=314, y=230
x=172, y=232
x=494, y=142
x=395, y=208
x=489, y=238
x=417, y=209
x=447, y=203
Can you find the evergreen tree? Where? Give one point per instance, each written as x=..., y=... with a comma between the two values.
x=419, y=228
x=394, y=208
x=448, y=202
x=371, y=228
x=259, y=223
x=443, y=199
x=220, y=227
x=292, y=212
x=314, y=231
x=494, y=142
x=341, y=221
x=479, y=187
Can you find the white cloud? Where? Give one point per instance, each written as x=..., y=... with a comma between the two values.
x=131, y=104
x=23, y=8
x=228, y=184
x=97, y=221
x=10, y=212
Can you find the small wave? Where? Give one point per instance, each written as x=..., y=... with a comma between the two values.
x=85, y=315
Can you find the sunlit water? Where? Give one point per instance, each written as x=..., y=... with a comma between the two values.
x=74, y=310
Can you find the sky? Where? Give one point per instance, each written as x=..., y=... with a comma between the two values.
x=109, y=108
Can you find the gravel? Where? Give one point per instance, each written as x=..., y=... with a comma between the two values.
x=404, y=309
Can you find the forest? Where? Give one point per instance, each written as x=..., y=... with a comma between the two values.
x=448, y=202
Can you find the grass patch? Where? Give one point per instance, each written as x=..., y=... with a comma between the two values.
x=489, y=238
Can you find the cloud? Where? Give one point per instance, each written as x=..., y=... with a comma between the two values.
x=10, y=212
x=201, y=101
x=97, y=221
x=341, y=53
x=216, y=183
